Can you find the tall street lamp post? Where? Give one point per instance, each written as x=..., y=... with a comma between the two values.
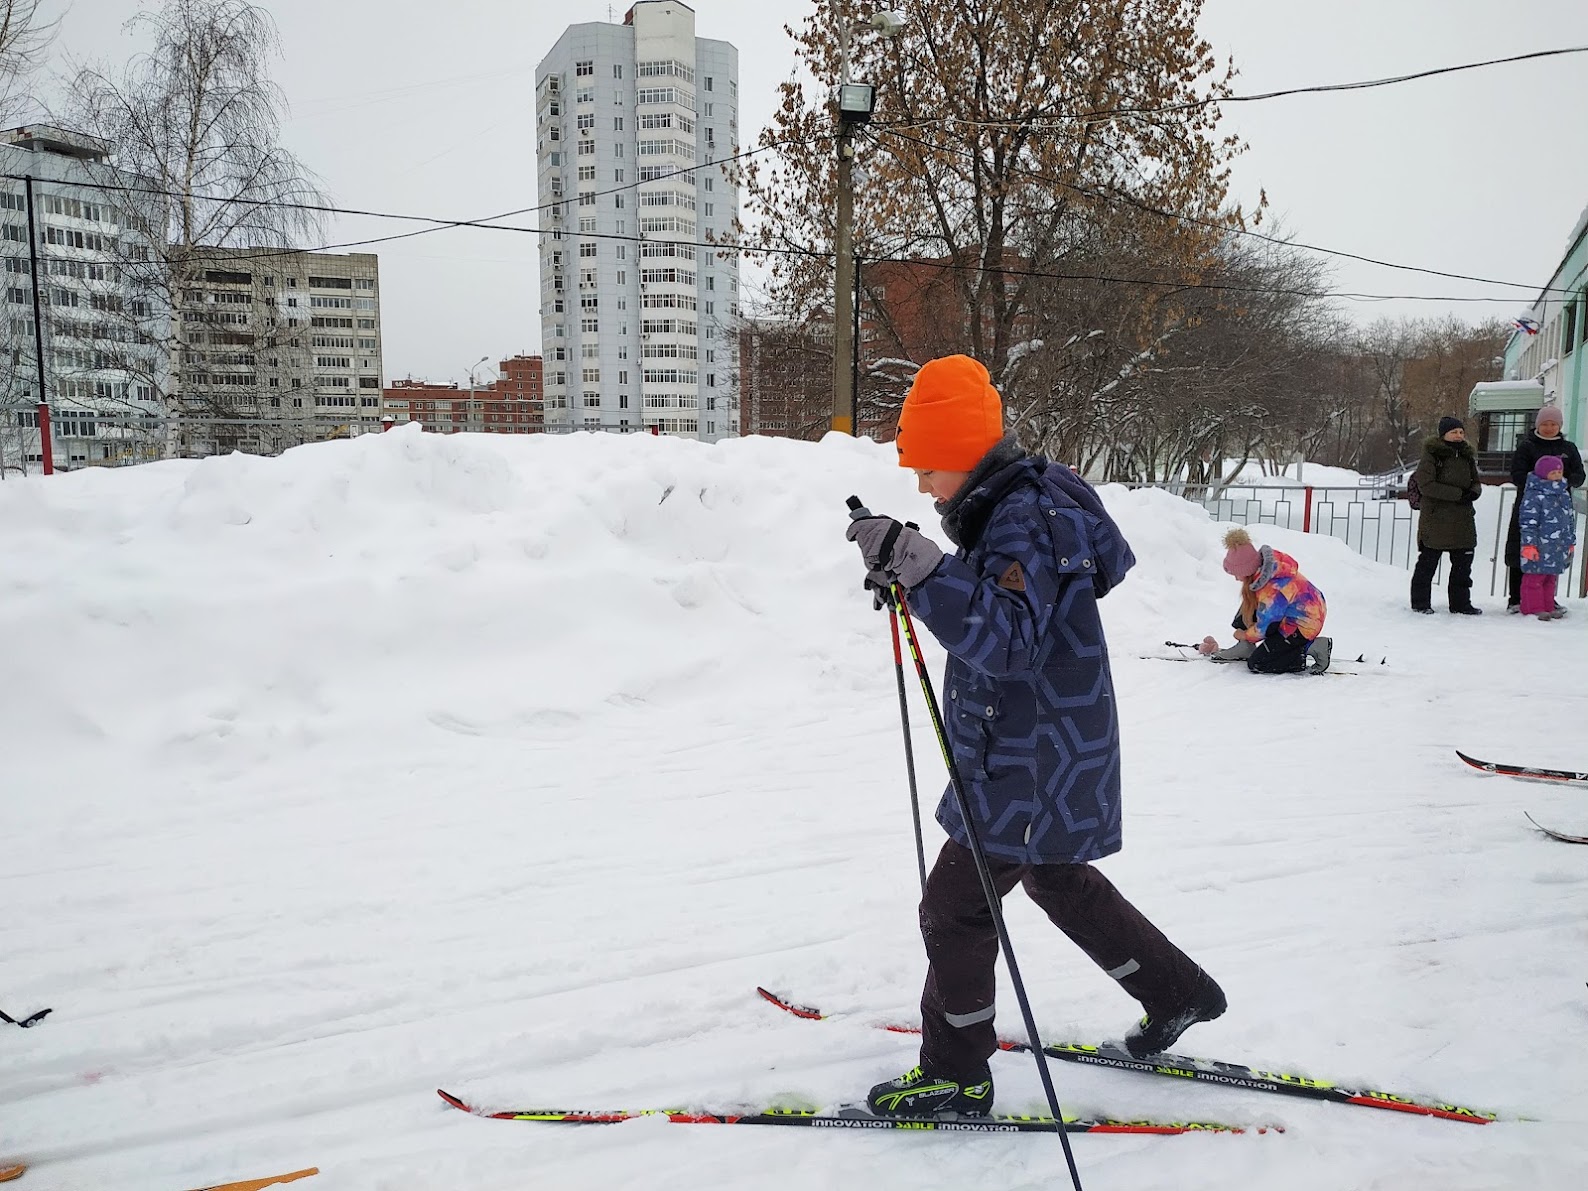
x=855, y=104
x=469, y=410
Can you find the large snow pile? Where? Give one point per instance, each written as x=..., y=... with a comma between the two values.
x=513, y=766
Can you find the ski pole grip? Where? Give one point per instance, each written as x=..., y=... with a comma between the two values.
x=857, y=511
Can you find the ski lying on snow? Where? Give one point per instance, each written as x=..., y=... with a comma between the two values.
x=1158, y=657
x=1560, y=835
x=1234, y=1075
x=261, y=1184
x=850, y=1116
x=1527, y=771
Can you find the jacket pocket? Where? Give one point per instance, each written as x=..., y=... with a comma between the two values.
x=973, y=711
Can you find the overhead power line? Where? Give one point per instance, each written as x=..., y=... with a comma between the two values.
x=1225, y=228
x=1034, y=120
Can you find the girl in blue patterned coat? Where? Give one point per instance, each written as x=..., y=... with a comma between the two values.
x=1549, y=535
x=1029, y=711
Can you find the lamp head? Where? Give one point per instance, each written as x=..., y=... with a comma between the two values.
x=889, y=23
x=855, y=102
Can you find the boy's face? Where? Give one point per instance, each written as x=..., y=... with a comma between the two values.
x=1558, y=474
x=940, y=485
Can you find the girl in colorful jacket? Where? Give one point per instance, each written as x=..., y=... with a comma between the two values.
x=1278, y=628
x=1549, y=535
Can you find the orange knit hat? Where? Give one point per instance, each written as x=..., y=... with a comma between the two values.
x=951, y=418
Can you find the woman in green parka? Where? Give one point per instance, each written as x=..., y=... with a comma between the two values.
x=1447, y=480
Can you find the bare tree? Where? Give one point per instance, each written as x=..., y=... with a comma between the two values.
x=197, y=120
x=24, y=40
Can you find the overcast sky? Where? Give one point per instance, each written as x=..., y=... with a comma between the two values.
x=427, y=108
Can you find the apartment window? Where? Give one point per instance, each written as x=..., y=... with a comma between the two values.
x=623, y=274
x=708, y=182
x=711, y=355
x=708, y=82
x=623, y=403
x=622, y=249
x=590, y=326
x=708, y=210
x=706, y=111
x=588, y=302
x=623, y=377
x=617, y=175
x=587, y=199
x=617, y=71
x=587, y=120
x=584, y=69
x=587, y=223
x=587, y=249
x=366, y=324
x=711, y=402
x=584, y=95
x=554, y=108
x=590, y=376
x=711, y=283
x=587, y=173
x=617, y=123
x=560, y=353
x=592, y=401
x=586, y=148
x=617, y=149
x=617, y=202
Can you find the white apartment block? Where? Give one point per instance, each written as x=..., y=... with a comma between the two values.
x=103, y=325
x=635, y=126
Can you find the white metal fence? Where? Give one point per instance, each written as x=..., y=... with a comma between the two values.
x=1375, y=522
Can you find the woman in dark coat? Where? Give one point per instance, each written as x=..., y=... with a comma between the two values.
x=1546, y=438
x=1447, y=479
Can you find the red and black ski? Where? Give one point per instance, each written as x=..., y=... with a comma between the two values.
x=1529, y=772
x=850, y=1116
x=1233, y=1075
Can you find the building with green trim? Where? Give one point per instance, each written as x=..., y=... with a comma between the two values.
x=1554, y=357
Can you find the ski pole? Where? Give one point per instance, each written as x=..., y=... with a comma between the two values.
x=904, y=716
x=989, y=890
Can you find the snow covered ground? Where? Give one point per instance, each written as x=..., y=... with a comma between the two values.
x=512, y=766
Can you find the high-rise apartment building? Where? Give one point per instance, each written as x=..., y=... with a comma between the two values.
x=103, y=327
x=276, y=348
x=635, y=126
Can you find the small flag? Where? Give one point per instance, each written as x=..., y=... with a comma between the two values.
x=1529, y=325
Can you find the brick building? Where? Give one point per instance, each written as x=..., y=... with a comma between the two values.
x=512, y=404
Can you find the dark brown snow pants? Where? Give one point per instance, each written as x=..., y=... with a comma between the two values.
x=962, y=948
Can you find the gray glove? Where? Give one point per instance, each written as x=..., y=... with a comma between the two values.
x=895, y=549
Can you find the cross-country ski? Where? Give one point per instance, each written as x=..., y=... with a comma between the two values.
x=1557, y=835
x=853, y=1116
x=1529, y=772
x=1184, y=1067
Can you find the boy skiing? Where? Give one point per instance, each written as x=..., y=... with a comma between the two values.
x=1031, y=721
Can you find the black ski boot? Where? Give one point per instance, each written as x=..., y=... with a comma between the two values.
x=916, y=1094
x=1156, y=1032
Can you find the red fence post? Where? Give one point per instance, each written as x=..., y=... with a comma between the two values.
x=46, y=448
x=1306, y=515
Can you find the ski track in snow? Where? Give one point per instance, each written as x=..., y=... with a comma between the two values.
x=512, y=767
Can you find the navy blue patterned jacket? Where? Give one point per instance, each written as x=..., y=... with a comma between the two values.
x=1028, y=698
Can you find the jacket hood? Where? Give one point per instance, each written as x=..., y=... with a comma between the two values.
x=1439, y=448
